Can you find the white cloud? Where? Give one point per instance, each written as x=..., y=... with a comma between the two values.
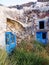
x=25, y=1
x=15, y=2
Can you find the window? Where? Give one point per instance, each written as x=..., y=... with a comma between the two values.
x=44, y=35
x=41, y=24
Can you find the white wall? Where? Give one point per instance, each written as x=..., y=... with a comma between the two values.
x=2, y=29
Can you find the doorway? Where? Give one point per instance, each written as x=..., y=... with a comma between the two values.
x=41, y=37
x=44, y=35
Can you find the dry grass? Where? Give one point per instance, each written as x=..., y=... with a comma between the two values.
x=26, y=53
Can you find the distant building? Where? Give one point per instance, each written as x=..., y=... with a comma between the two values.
x=42, y=0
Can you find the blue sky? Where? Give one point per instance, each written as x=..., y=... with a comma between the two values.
x=15, y=2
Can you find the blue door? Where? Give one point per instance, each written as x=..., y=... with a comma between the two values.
x=10, y=40
x=41, y=37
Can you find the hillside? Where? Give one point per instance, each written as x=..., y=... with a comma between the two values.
x=23, y=5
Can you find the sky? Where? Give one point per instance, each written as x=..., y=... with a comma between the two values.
x=15, y=2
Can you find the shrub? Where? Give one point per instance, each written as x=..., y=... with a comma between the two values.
x=21, y=57
x=37, y=55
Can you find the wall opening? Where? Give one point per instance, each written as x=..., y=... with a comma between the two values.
x=41, y=25
x=41, y=37
x=44, y=35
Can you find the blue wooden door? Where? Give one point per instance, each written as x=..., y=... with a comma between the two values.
x=41, y=37
x=10, y=40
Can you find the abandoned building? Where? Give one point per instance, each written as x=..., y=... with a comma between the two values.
x=14, y=26
x=8, y=29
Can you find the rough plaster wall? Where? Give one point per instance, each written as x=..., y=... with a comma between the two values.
x=48, y=36
x=2, y=29
x=9, y=13
x=14, y=25
x=18, y=29
x=36, y=24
